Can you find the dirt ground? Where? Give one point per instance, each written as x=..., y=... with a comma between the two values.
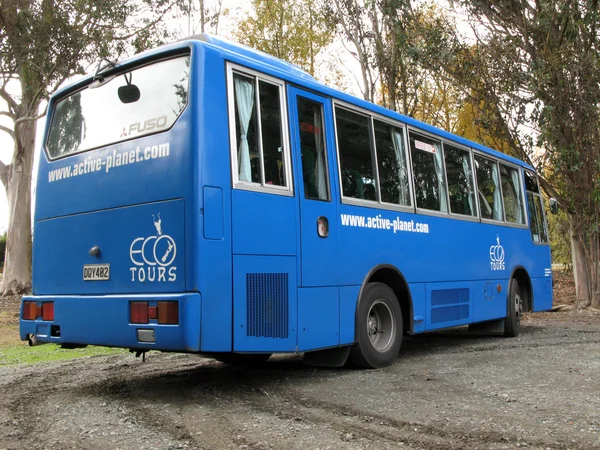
x=447, y=390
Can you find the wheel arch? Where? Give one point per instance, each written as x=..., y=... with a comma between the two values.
x=393, y=278
x=520, y=274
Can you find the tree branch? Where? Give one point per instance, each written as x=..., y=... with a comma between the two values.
x=10, y=132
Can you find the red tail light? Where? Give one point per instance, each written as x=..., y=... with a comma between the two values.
x=29, y=311
x=48, y=311
x=138, y=312
x=45, y=310
x=168, y=313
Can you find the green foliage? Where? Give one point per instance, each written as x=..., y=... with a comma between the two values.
x=24, y=354
x=541, y=65
x=293, y=30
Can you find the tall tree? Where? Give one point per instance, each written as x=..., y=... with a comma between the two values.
x=42, y=44
x=293, y=30
x=540, y=64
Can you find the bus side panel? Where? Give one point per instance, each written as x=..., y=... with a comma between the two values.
x=488, y=303
x=542, y=293
x=448, y=304
x=263, y=224
x=213, y=256
x=348, y=300
x=417, y=293
x=318, y=318
x=264, y=303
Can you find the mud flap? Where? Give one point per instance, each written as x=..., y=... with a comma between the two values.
x=491, y=328
x=331, y=357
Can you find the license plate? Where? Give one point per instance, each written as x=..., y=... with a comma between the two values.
x=96, y=272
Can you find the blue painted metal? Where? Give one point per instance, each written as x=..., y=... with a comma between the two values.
x=248, y=259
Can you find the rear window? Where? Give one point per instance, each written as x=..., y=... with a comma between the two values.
x=114, y=110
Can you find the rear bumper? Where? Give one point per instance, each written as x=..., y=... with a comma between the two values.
x=104, y=320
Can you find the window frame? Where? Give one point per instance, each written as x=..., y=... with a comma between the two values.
x=236, y=183
x=377, y=203
x=477, y=216
x=423, y=211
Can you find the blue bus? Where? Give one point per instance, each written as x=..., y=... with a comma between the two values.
x=207, y=198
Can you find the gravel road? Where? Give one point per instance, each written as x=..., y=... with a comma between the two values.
x=446, y=391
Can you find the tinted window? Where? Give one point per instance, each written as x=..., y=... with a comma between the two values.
x=428, y=172
x=512, y=193
x=96, y=116
x=460, y=180
x=488, y=188
x=356, y=165
x=312, y=143
x=531, y=183
x=272, y=142
x=391, y=162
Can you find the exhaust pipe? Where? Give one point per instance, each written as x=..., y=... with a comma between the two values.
x=33, y=341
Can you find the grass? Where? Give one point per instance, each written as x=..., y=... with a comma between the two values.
x=14, y=351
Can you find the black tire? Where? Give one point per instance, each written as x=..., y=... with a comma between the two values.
x=241, y=359
x=512, y=323
x=378, y=328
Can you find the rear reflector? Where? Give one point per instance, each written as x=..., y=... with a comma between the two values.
x=48, y=311
x=168, y=313
x=29, y=311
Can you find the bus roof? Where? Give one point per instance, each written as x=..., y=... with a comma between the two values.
x=270, y=65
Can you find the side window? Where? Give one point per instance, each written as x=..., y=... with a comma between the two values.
x=259, y=131
x=312, y=143
x=512, y=194
x=391, y=162
x=428, y=173
x=488, y=188
x=356, y=164
x=461, y=188
x=537, y=222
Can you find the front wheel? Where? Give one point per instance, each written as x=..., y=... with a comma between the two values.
x=378, y=328
x=512, y=323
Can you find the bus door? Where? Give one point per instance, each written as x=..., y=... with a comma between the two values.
x=311, y=124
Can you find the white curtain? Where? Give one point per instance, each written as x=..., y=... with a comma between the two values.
x=321, y=179
x=244, y=92
x=466, y=170
x=439, y=168
x=398, y=143
x=497, y=195
x=514, y=175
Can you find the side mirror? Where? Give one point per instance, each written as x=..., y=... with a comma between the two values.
x=553, y=205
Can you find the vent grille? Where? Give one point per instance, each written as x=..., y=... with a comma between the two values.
x=267, y=305
x=449, y=305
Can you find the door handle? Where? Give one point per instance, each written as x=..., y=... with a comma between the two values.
x=323, y=227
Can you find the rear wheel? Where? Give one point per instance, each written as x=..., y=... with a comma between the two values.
x=512, y=324
x=241, y=359
x=379, y=328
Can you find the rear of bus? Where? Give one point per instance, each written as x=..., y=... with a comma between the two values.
x=115, y=213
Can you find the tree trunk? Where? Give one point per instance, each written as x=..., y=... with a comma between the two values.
x=581, y=270
x=17, y=268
